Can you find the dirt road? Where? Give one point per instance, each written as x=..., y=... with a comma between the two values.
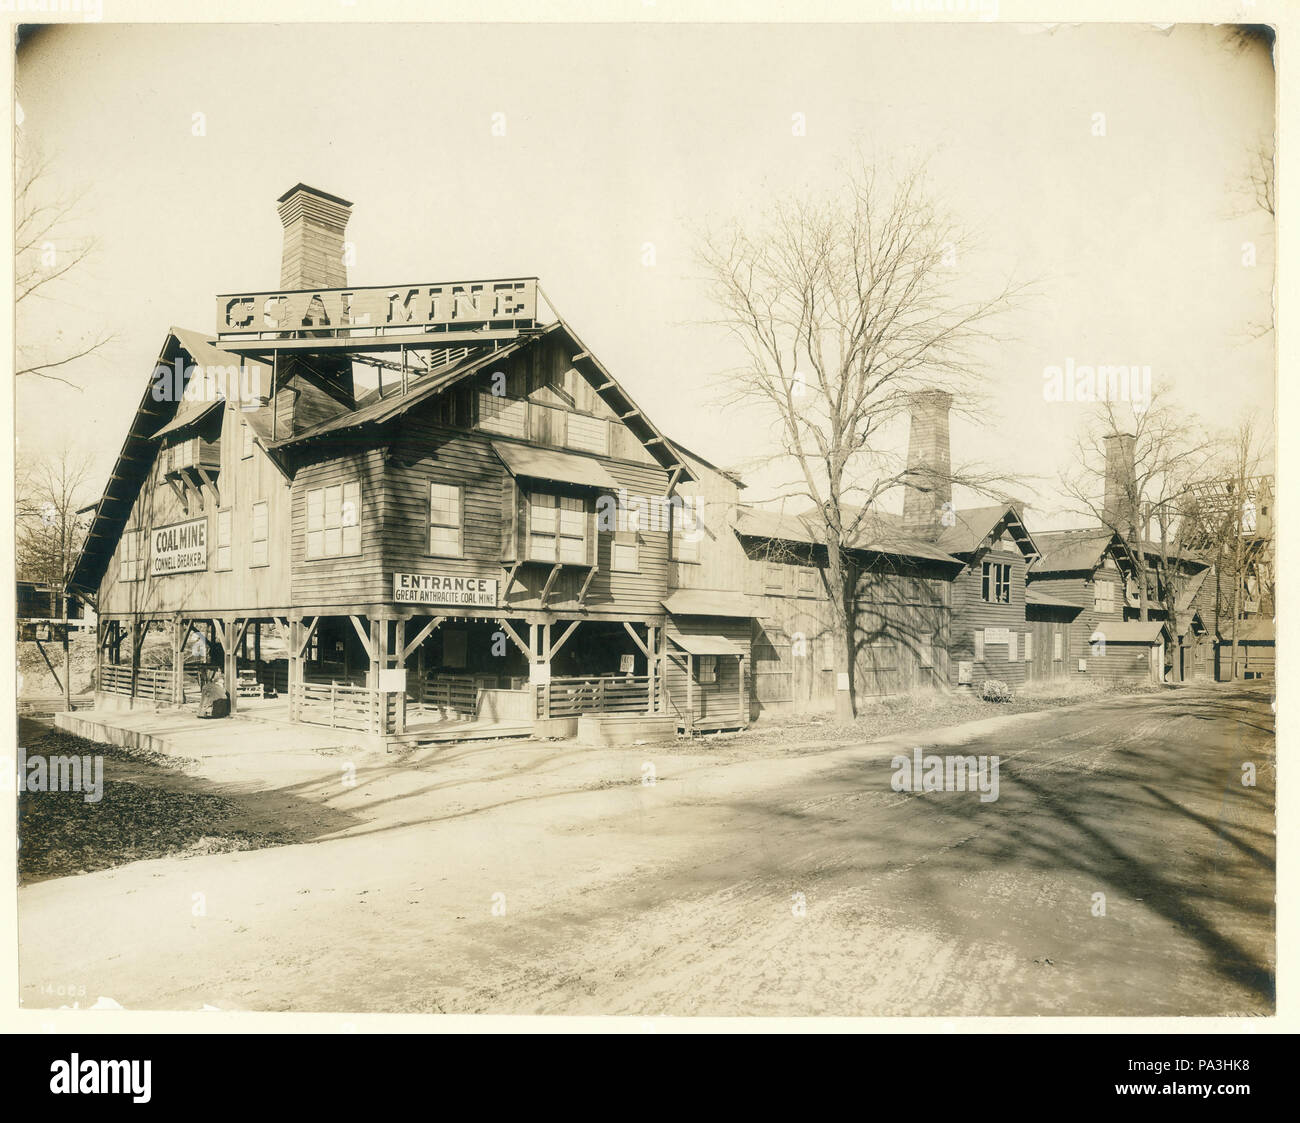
x=792, y=886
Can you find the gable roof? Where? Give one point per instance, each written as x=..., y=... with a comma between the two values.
x=1071, y=551
x=973, y=525
x=136, y=458
x=376, y=410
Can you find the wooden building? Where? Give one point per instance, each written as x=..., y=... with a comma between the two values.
x=489, y=533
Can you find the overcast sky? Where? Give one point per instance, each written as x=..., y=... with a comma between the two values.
x=617, y=136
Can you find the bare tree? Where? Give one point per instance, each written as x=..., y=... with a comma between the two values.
x=845, y=306
x=1225, y=520
x=1171, y=454
x=46, y=250
x=49, y=531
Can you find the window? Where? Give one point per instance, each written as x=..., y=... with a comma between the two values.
x=623, y=556
x=224, y=533
x=687, y=531
x=1103, y=594
x=1029, y=646
x=996, y=585
x=501, y=414
x=130, y=564
x=557, y=529
x=625, y=550
x=334, y=521
x=261, y=532
x=589, y=434
x=708, y=668
x=979, y=645
x=445, y=530
x=1057, y=645
x=248, y=441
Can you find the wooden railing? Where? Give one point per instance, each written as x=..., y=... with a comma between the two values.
x=604, y=694
x=456, y=694
x=154, y=683
x=115, y=679
x=341, y=706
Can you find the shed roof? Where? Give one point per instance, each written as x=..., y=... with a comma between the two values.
x=1037, y=596
x=1133, y=631
x=706, y=645
x=708, y=602
x=189, y=413
x=551, y=464
x=877, y=533
x=1258, y=629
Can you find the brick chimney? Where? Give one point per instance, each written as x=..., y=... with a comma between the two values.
x=312, y=389
x=314, y=222
x=929, y=462
x=1118, y=502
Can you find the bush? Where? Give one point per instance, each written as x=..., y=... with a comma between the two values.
x=995, y=691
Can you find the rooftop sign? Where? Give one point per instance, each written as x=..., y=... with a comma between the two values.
x=449, y=306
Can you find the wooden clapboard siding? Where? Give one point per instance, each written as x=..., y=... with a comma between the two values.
x=240, y=589
x=357, y=579
x=1080, y=589
x=722, y=562
x=1042, y=663
x=970, y=613
x=901, y=628
x=425, y=450
x=716, y=703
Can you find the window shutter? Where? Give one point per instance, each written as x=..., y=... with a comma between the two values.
x=1011, y=648
x=979, y=645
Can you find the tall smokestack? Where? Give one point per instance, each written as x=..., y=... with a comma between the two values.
x=1119, y=508
x=309, y=390
x=314, y=222
x=929, y=462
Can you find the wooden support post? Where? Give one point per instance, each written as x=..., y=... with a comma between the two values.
x=295, y=645
x=399, y=661
x=137, y=641
x=650, y=668
x=67, y=663
x=378, y=658
x=690, y=693
x=741, y=713
x=231, y=670
x=178, y=661
x=101, y=635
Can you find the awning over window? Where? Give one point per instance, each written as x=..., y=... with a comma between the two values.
x=189, y=413
x=708, y=602
x=549, y=464
x=706, y=645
